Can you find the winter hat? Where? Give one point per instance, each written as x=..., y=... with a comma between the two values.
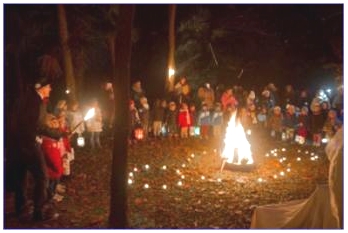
x=41, y=82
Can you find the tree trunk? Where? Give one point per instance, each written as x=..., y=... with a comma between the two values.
x=171, y=53
x=118, y=189
x=64, y=38
x=111, y=43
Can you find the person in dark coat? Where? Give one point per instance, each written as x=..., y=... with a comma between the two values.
x=27, y=155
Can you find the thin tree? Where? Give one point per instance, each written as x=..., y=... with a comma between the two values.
x=118, y=185
x=171, y=53
x=64, y=39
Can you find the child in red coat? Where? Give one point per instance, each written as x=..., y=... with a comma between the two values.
x=184, y=120
x=51, y=150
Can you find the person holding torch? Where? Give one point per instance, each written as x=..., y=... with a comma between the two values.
x=27, y=155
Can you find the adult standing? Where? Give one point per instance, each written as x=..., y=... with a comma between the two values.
x=27, y=155
x=182, y=91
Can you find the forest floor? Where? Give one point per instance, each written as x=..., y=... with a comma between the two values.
x=178, y=184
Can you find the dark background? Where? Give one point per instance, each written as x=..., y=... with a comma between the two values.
x=298, y=44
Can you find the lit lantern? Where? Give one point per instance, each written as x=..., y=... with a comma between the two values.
x=164, y=131
x=81, y=141
x=197, y=131
x=139, y=133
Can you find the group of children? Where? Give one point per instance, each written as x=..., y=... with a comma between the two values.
x=177, y=120
x=65, y=128
x=302, y=125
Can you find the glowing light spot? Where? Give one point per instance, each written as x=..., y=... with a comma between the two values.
x=146, y=186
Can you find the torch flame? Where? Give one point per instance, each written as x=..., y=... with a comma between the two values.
x=89, y=114
x=235, y=140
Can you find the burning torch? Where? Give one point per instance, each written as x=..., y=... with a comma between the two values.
x=80, y=139
x=88, y=116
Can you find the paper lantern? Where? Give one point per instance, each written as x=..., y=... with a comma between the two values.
x=81, y=141
x=139, y=133
x=197, y=130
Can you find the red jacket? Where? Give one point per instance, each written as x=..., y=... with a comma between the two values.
x=54, y=163
x=184, y=118
x=66, y=140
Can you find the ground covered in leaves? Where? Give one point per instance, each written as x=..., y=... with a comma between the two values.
x=175, y=183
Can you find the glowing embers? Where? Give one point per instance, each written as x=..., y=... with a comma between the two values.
x=237, y=153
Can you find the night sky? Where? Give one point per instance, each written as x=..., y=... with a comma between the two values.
x=293, y=41
x=279, y=43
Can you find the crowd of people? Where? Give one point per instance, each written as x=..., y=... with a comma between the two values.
x=46, y=149
x=286, y=115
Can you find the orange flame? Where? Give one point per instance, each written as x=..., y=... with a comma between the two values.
x=236, y=143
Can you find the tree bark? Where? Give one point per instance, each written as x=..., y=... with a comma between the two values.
x=68, y=64
x=121, y=83
x=171, y=52
x=111, y=43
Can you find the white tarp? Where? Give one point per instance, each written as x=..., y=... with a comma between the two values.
x=322, y=210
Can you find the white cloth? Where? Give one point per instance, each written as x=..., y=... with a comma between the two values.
x=322, y=210
x=311, y=213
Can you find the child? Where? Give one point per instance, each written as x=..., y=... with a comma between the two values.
x=134, y=121
x=61, y=106
x=275, y=123
x=332, y=124
x=290, y=122
x=51, y=149
x=262, y=118
x=302, y=127
x=316, y=123
x=204, y=121
x=193, y=116
x=184, y=120
x=95, y=125
x=217, y=120
x=74, y=117
x=144, y=115
x=171, y=120
x=158, y=112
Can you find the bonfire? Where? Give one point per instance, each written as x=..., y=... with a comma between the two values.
x=237, y=147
